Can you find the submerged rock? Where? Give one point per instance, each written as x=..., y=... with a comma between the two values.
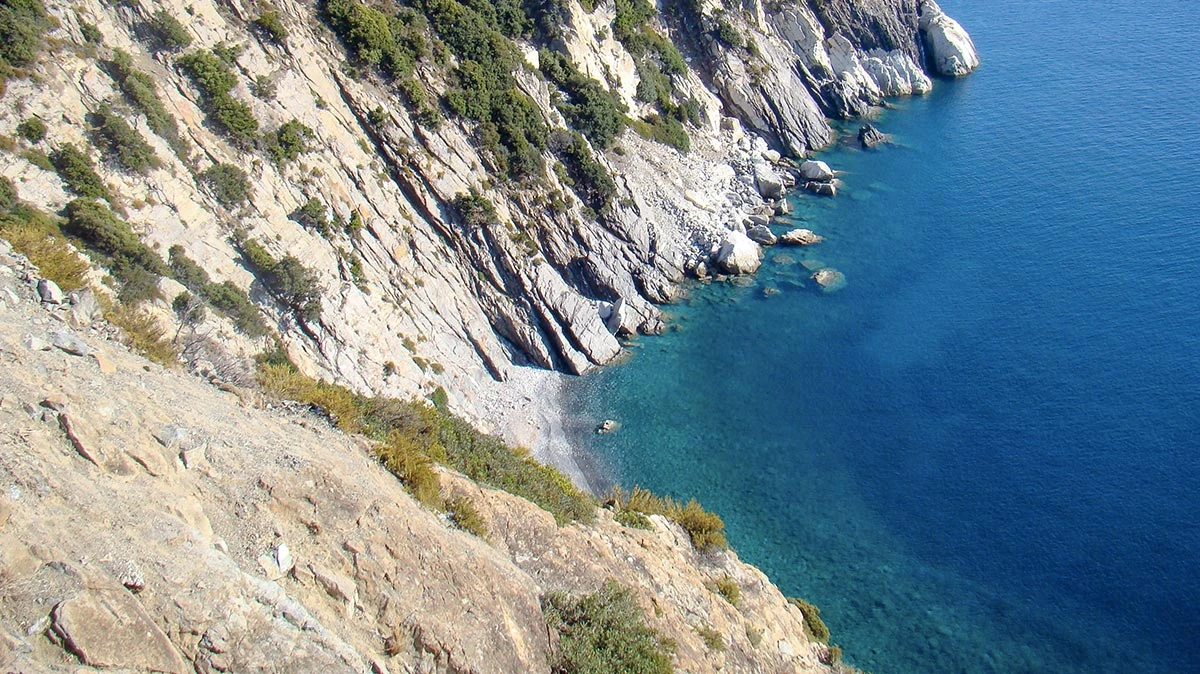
x=824, y=189
x=869, y=136
x=607, y=426
x=829, y=279
x=801, y=237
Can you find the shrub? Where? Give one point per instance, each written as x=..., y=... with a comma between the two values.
x=590, y=108
x=79, y=173
x=313, y=214
x=633, y=519
x=211, y=74
x=464, y=515
x=728, y=588
x=287, y=278
x=122, y=143
x=129, y=260
x=142, y=333
x=270, y=25
x=263, y=87
x=36, y=235
x=23, y=23
x=32, y=130
x=706, y=529
x=225, y=297
x=91, y=34
x=413, y=467
x=475, y=209
x=590, y=179
x=139, y=89
x=289, y=141
x=228, y=184
x=814, y=627
x=711, y=638
x=604, y=633
x=37, y=158
x=166, y=32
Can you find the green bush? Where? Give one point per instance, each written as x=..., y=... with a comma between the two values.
x=139, y=89
x=270, y=25
x=289, y=141
x=605, y=633
x=664, y=129
x=121, y=143
x=32, y=130
x=814, y=627
x=287, y=278
x=91, y=34
x=263, y=87
x=37, y=158
x=464, y=515
x=229, y=184
x=313, y=214
x=166, y=32
x=23, y=23
x=128, y=259
x=590, y=107
x=79, y=173
x=589, y=178
x=225, y=297
x=211, y=74
x=475, y=209
x=728, y=588
x=633, y=519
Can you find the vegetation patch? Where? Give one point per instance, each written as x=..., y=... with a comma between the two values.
x=229, y=184
x=166, y=32
x=475, y=209
x=605, y=633
x=289, y=141
x=711, y=638
x=269, y=24
x=139, y=89
x=32, y=130
x=128, y=259
x=590, y=108
x=225, y=297
x=814, y=627
x=23, y=25
x=728, y=588
x=587, y=176
x=79, y=173
x=415, y=426
x=211, y=73
x=293, y=284
x=142, y=332
x=121, y=143
x=464, y=515
x=706, y=529
x=413, y=467
x=37, y=236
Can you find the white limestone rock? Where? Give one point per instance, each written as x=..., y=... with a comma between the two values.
x=816, y=170
x=950, y=47
x=737, y=254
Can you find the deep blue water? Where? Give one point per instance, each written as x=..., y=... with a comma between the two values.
x=983, y=454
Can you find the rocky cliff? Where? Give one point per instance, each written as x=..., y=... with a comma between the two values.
x=152, y=522
x=418, y=286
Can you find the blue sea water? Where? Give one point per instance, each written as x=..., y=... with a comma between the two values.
x=983, y=454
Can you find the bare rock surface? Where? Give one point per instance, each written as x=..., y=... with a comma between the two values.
x=119, y=553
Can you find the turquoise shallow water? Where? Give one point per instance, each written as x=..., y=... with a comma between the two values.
x=983, y=454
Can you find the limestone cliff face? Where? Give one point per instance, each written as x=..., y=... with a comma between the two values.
x=419, y=298
x=151, y=522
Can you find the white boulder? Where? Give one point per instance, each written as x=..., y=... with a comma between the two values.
x=816, y=170
x=737, y=254
x=950, y=47
x=801, y=237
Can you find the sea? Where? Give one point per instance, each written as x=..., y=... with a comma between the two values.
x=982, y=454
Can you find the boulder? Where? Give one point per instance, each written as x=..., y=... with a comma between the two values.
x=700, y=270
x=737, y=254
x=950, y=48
x=49, y=291
x=771, y=156
x=767, y=181
x=758, y=220
x=613, y=314
x=70, y=343
x=869, y=136
x=822, y=188
x=783, y=207
x=762, y=235
x=607, y=426
x=816, y=170
x=801, y=237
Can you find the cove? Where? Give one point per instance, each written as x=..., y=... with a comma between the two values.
x=983, y=453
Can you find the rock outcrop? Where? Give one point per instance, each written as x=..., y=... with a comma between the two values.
x=737, y=254
x=951, y=50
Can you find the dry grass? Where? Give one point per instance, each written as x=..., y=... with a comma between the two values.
x=706, y=529
x=142, y=332
x=54, y=257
